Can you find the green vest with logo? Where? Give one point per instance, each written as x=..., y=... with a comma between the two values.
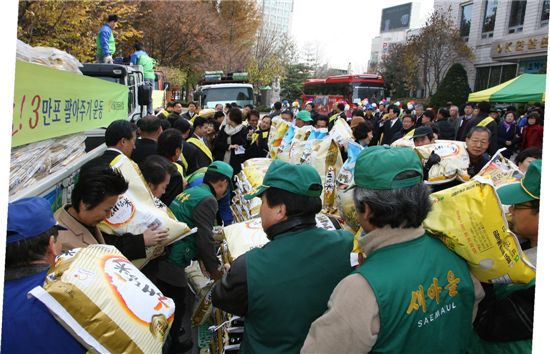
x=111, y=45
x=290, y=280
x=425, y=297
x=480, y=346
x=184, y=251
x=148, y=64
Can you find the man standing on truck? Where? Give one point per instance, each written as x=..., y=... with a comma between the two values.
x=140, y=57
x=105, y=41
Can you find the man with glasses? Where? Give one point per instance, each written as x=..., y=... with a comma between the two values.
x=477, y=143
x=504, y=320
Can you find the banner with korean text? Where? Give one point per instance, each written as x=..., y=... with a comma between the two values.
x=49, y=103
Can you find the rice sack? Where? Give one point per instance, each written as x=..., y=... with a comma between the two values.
x=341, y=131
x=345, y=175
x=454, y=161
x=346, y=209
x=468, y=218
x=276, y=134
x=136, y=210
x=243, y=237
x=106, y=302
x=501, y=170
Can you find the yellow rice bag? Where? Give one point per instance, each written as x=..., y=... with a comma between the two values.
x=137, y=209
x=341, y=131
x=468, y=218
x=403, y=142
x=276, y=134
x=501, y=170
x=346, y=209
x=243, y=237
x=324, y=156
x=255, y=169
x=454, y=161
x=106, y=302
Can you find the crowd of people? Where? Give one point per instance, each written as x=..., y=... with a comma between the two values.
x=300, y=291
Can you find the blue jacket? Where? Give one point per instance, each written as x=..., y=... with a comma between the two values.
x=104, y=35
x=27, y=324
x=134, y=57
x=224, y=209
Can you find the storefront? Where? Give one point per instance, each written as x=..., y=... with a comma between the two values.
x=519, y=55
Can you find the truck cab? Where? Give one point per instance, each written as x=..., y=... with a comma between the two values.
x=216, y=88
x=127, y=75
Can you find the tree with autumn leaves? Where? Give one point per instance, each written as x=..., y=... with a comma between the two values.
x=186, y=37
x=424, y=59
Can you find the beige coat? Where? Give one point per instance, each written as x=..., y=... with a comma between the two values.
x=76, y=235
x=345, y=329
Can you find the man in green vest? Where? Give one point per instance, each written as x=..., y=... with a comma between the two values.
x=197, y=207
x=105, y=41
x=504, y=322
x=411, y=294
x=284, y=286
x=140, y=57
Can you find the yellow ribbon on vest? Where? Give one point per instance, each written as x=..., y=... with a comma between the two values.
x=202, y=146
x=184, y=161
x=179, y=168
x=409, y=134
x=485, y=122
x=255, y=136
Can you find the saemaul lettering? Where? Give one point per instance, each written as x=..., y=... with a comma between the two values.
x=434, y=316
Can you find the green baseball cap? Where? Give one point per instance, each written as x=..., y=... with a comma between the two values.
x=304, y=116
x=376, y=167
x=221, y=167
x=526, y=190
x=299, y=179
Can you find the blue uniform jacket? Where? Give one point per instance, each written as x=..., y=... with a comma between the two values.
x=134, y=57
x=27, y=324
x=104, y=35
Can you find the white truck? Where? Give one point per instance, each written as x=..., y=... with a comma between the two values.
x=216, y=88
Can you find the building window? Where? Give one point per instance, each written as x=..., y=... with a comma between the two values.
x=465, y=20
x=545, y=12
x=517, y=15
x=489, y=18
x=490, y=76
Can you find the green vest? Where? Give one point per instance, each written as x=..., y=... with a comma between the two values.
x=480, y=346
x=290, y=280
x=184, y=251
x=111, y=45
x=148, y=64
x=425, y=297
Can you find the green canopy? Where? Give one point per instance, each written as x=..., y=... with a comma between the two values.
x=523, y=88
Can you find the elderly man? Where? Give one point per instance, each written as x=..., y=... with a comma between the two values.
x=412, y=294
x=505, y=318
x=477, y=144
x=284, y=286
x=31, y=248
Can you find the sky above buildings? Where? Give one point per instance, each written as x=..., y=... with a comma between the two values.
x=342, y=30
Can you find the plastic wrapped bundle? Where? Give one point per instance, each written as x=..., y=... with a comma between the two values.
x=106, y=302
x=47, y=56
x=32, y=162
